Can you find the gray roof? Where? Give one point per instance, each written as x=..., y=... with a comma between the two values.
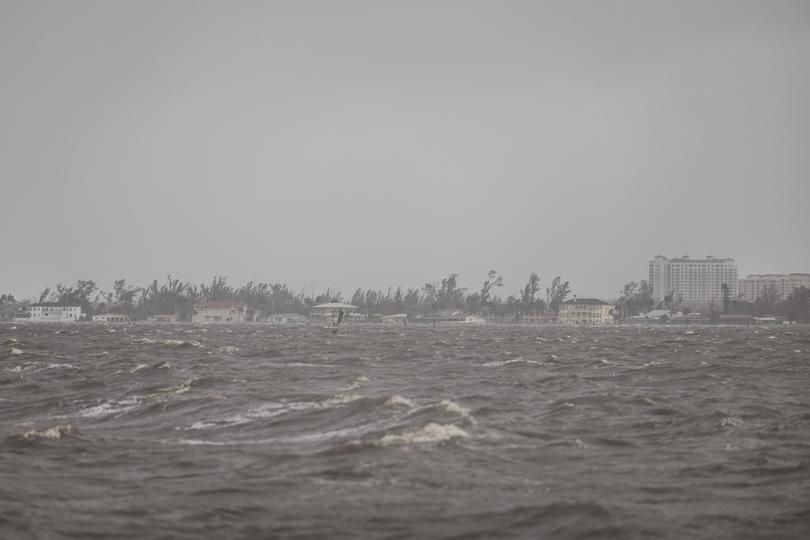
x=335, y=305
x=587, y=301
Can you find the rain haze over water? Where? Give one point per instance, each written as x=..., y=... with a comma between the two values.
x=391, y=155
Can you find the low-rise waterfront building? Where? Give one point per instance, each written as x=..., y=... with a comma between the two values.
x=55, y=312
x=445, y=316
x=740, y=320
x=111, y=318
x=331, y=312
x=164, y=317
x=586, y=311
x=220, y=312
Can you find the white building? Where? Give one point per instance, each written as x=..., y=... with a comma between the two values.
x=220, y=312
x=693, y=282
x=398, y=318
x=331, y=312
x=55, y=312
x=751, y=287
x=586, y=311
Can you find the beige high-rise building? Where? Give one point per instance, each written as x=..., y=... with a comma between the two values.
x=751, y=287
x=696, y=283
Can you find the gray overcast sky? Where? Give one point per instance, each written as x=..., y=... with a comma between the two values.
x=367, y=144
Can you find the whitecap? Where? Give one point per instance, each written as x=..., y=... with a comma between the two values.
x=273, y=409
x=57, y=366
x=298, y=364
x=179, y=389
x=24, y=367
x=229, y=349
x=180, y=343
x=396, y=399
x=110, y=408
x=453, y=407
x=341, y=399
x=358, y=382
x=15, y=350
x=293, y=439
x=209, y=424
x=56, y=432
x=198, y=442
x=431, y=433
x=499, y=363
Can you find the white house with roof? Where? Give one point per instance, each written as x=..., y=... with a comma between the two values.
x=55, y=312
x=331, y=312
x=220, y=312
x=587, y=311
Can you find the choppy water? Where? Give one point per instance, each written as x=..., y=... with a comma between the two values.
x=478, y=432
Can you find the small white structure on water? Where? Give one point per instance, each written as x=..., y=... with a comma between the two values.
x=330, y=312
x=55, y=312
x=111, y=317
x=220, y=312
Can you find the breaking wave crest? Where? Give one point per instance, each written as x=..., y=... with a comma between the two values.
x=431, y=433
x=56, y=432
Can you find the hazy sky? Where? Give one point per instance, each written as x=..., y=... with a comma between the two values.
x=367, y=144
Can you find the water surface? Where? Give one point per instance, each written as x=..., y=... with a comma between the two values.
x=174, y=431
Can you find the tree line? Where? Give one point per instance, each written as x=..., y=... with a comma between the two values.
x=174, y=296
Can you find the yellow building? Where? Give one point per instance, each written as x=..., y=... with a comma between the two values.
x=586, y=311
